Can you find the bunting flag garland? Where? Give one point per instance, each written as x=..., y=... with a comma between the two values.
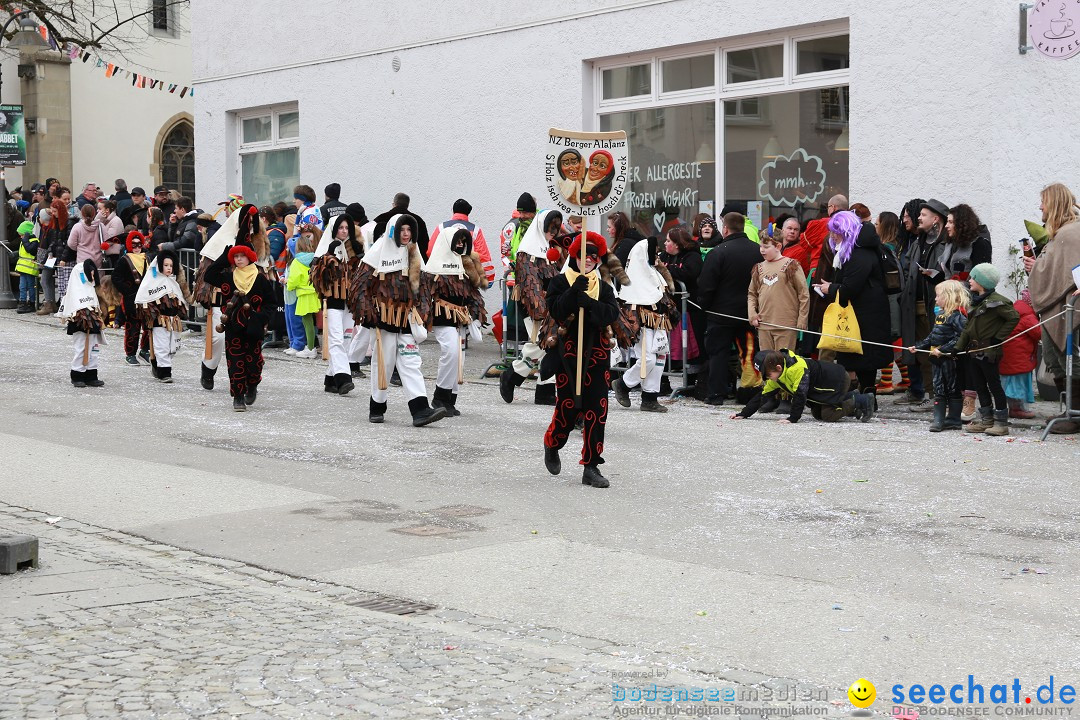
x=111, y=69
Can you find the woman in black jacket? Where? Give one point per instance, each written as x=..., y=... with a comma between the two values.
x=969, y=243
x=623, y=236
x=860, y=283
x=682, y=257
x=159, y=231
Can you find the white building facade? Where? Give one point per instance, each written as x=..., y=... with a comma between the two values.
x=87, y=127
x=773, y=105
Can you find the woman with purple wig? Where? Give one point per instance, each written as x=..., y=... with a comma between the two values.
x=860, y=283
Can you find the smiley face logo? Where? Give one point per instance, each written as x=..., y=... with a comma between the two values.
x=862, y=693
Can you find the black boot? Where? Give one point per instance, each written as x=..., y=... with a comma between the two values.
x=552, y=461
x=938, y=423
x=649, y=404
x=78, y=378
x=24, y=308
x=592, y=476
x=344, y=383
x=395, y=379
x=545, y=394
x=622, y=392
x=91, y=379
x=376, y=411
x=355, y=371
x=207, y=378
x=328, y=384
x=952, y=415
x=238, y=404
x=441, y=399
x=454, y=412
x=509, y=380
x=251, y=394
x=154, y=369
x=864, y=407
x=783, y=408
x=165, y=374
x=423, y=414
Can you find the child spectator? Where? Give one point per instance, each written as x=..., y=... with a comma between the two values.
x=991, y=320
x=777, y=295
x=307, y=300
x=1019, y=359
x=27, y=268
x=951, y=300
x=824, y=385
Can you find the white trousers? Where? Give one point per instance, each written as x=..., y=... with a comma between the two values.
x=363, y=339
x=78, y=344
x=531, y=354
x=656, y=352
x=400, y=351
x=449, y=339
x=217, y=342
x=166, y=345
x=336, y=322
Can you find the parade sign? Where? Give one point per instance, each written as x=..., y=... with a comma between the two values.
x=1054, y=28
x=585, y=173
x=12, y=136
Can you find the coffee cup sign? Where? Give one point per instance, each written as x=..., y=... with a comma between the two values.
x=1054, y=28
x=791, y=179
x=585, y=173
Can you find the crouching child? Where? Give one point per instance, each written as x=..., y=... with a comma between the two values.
x=822, y=386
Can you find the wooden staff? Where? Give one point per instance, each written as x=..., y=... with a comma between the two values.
x=378, y=350
x=208, y=353
x=86, y=351
x=644, y=371
x=580, y=317
x=460, y=361
x=325, y=333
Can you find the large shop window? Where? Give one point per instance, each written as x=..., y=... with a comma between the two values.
x=789, y=155
x=781, y=147
x=672, y=160
x=269, y=149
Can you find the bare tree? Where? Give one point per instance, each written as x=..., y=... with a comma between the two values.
x=91, y=24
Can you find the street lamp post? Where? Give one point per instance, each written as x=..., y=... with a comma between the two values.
x=21, y=39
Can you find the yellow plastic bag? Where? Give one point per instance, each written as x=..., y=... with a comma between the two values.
x=840, y=321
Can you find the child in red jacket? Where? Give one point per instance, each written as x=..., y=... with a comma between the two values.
x=1019, y=359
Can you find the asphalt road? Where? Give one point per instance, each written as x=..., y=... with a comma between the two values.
x=819, y=553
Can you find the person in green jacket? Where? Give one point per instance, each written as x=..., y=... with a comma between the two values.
x=307, y=300
x=990, y=321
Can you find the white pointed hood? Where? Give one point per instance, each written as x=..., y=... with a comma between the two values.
x=533, y=241
x=646, y=284
x=367, y=235
x=443, y=260
x=385, y=255
x=80, y=295
x=223, y=238
x=156, y=285
x=328, y=237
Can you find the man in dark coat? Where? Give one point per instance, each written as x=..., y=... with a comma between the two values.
x=401, y=207
x=921, y=260
x=722, y=288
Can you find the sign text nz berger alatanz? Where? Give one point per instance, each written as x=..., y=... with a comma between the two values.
x=585, y=173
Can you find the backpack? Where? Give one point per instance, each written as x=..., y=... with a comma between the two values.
x=890, y=267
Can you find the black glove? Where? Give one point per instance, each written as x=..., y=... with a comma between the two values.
x=581, y=284
x=332, y=250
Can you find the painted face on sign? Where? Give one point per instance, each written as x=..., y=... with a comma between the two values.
x=570, y=163
x=599, y=167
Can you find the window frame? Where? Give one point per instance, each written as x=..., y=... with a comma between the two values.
x=170, y=20
x=253, y=148
x=721, y=91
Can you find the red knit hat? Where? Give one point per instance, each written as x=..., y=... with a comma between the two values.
x=132, y=237
x=242, y=250
x=590, y=239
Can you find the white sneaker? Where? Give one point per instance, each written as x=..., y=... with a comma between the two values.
x=289, y=351
x=308, y=354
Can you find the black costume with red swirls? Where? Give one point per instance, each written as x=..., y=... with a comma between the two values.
x=245, y=318
x=563, y=302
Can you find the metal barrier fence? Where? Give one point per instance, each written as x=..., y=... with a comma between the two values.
x=1071, y=344
x=684, y=298
x=196, y=315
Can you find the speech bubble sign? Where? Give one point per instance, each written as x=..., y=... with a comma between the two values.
x=798, y=177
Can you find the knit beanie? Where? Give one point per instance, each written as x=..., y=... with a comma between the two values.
x=986, y=275
x=463, y=206
x=526, y=203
